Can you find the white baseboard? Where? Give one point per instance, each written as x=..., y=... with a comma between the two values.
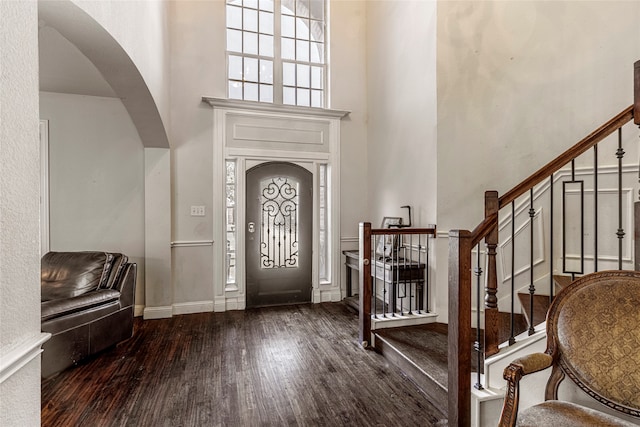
x=235, y=303
x=158, y=312
x=326, y=293
x=138, y=310
x=403, y=320
x=220, y=304
x=193, y=307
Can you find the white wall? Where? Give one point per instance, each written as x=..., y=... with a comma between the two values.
x=96, y=169
x=128, y=42
x=198, y=69
x=157, y=229
x=520, y=82
x=402, y=114
x=141, y=28
x=348, y=91
x=19, y=215
x=401, y=105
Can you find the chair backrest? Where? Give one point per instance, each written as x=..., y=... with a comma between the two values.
x=593, y=334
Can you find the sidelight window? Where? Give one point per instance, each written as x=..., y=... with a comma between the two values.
x=231, y=215
x=323, y=224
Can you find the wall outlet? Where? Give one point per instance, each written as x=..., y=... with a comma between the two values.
x=197, y=210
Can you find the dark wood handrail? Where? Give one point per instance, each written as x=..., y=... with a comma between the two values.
x=556, y=164
x=484, y=228
x=636, y=92
x=398, y=231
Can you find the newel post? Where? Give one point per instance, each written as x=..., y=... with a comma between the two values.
x=636, y=120
x=459, y=407
x=364, y=266
x=491, y=318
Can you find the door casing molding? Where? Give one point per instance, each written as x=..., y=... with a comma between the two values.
x=303, y=138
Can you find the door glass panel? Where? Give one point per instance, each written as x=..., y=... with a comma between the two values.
x=279, y=223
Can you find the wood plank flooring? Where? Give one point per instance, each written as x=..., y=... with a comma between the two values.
x=296, y=365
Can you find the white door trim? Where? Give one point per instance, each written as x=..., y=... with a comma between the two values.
x=251, y=152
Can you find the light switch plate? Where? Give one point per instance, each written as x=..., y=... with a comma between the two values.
x=197, y=210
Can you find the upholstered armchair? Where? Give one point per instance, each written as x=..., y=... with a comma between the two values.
x=593, y=337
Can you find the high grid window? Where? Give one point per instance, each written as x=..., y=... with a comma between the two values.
x=276, y=51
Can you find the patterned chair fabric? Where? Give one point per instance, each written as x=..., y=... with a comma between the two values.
x=593, y=337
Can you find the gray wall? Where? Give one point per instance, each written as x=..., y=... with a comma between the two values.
x=96, y=177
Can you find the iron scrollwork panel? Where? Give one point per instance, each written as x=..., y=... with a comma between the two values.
x=279, y=223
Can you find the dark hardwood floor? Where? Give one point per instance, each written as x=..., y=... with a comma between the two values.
x=295, y=365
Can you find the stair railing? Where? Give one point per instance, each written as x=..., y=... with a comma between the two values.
x=519, y=203
x=394, y=272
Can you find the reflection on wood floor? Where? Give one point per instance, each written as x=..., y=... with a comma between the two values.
x=295, y=365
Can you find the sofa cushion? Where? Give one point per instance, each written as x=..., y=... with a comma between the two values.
x=117, y=267
x=69, y=274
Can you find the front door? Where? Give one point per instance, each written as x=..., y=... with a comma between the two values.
x=278, y=234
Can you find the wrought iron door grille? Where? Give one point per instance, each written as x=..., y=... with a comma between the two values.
x=279, y=223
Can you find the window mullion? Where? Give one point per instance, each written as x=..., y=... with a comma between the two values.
x=243, y=55
x=277, y=54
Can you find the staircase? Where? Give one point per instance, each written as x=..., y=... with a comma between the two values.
x=549, y=240
x=446, y=360
x=421, y=351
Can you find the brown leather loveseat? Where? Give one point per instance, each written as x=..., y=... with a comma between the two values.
x=87, y=305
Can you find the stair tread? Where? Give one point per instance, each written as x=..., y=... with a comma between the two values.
x=425, y=345
x=353, y=302
x=540, y=307
x=562, y=281
x=420, y=352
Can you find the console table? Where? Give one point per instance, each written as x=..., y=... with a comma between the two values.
x=393, y=272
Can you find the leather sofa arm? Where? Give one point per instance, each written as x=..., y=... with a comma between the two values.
x=127, y=285
x=513, y=373
x=61, y=307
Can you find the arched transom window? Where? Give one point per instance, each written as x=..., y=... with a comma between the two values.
x=276, y=51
